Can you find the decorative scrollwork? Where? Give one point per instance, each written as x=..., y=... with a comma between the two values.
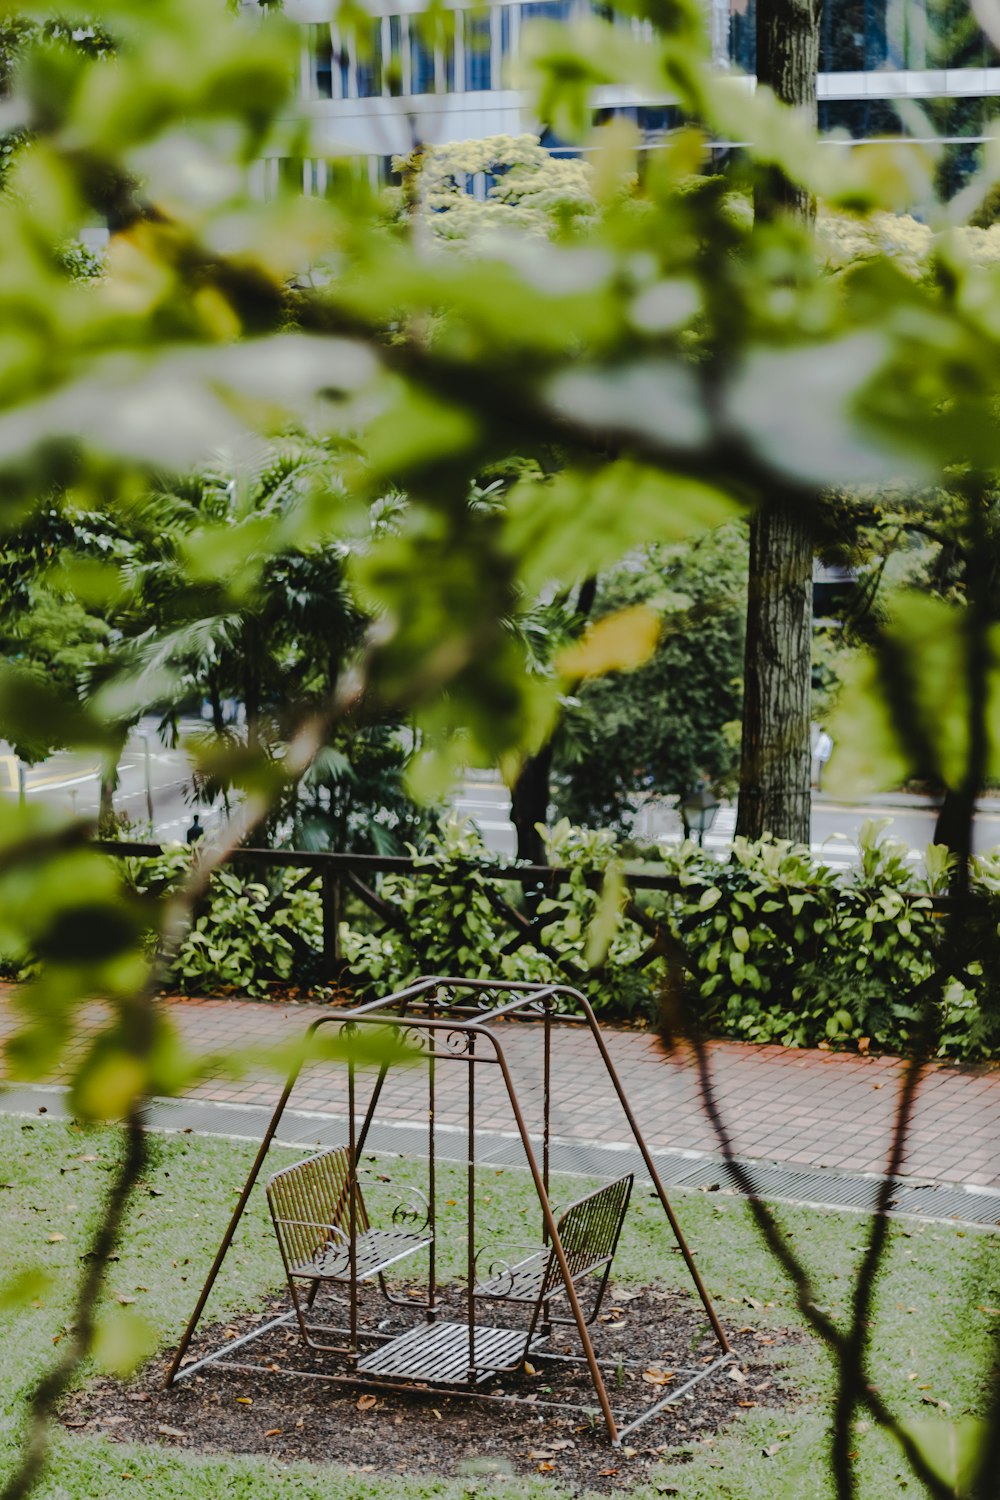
x=413, y=1037
x=457, y=1043
x=412, y=1211
x=493, y=1275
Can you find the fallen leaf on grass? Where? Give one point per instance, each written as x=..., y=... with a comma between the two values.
x=365, y=1403
x=772, y=1449
x=55, y=1238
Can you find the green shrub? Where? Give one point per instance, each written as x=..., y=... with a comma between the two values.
x=784, y=949
x=246, y=935
x=779, y=947
x=451, y=921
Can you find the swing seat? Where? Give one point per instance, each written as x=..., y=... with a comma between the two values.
x=310, y=1205
x=588, y=1231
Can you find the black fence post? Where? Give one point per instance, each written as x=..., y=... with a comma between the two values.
x=331, y=896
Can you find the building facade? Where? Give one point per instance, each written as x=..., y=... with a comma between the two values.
x=920, y=68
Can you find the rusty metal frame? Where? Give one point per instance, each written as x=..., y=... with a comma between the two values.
x=451, y=1018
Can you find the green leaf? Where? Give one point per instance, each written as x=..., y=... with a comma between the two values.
x=607, y=916
x=951, y=1448
x=123, y=1338
x=24, y=1286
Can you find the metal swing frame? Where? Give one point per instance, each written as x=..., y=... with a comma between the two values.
x=448, y=1020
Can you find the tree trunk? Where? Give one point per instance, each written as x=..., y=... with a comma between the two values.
x=787, y=39
x=775, y=792
x=530, y=794
x=106, y=799
x=215, y=700
x=529, y=805
x=776, y=753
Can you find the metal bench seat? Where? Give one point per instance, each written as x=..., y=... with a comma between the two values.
x=312, y=1205
x=375, y=1251
x=588, y=1232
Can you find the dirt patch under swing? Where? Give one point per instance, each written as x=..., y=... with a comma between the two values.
x=649, y=1341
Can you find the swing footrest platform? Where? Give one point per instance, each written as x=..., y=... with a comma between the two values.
x=439, y=1354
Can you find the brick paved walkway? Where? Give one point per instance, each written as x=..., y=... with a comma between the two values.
x=800, y=1108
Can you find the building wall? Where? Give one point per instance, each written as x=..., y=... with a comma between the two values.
x=402, y=84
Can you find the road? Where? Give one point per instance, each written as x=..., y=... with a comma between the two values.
x=72, y=783
x=835, y=825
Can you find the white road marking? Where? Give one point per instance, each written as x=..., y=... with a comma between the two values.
x=57, y=786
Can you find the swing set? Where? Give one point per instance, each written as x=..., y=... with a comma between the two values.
x=332, y=1240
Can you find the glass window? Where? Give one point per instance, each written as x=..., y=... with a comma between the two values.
x=322, y=60
x=341, y=65
x=368, y=45
x=478, y=73
x=506, y=30
x=742, y=33
x=394, y=62
x=448, y=53
x=953, y=39
x=546, y=10
x=658, y=118
x=879, y=35
x=861, y=118
x=421, y=58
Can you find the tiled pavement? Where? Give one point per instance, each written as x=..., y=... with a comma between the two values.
x=799, y=1108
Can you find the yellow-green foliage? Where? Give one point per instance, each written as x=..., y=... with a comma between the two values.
x=845, y=240
x=533, y=190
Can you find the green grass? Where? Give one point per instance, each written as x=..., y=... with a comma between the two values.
x=930, y=1343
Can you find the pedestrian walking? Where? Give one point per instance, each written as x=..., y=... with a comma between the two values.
x=822, y=750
